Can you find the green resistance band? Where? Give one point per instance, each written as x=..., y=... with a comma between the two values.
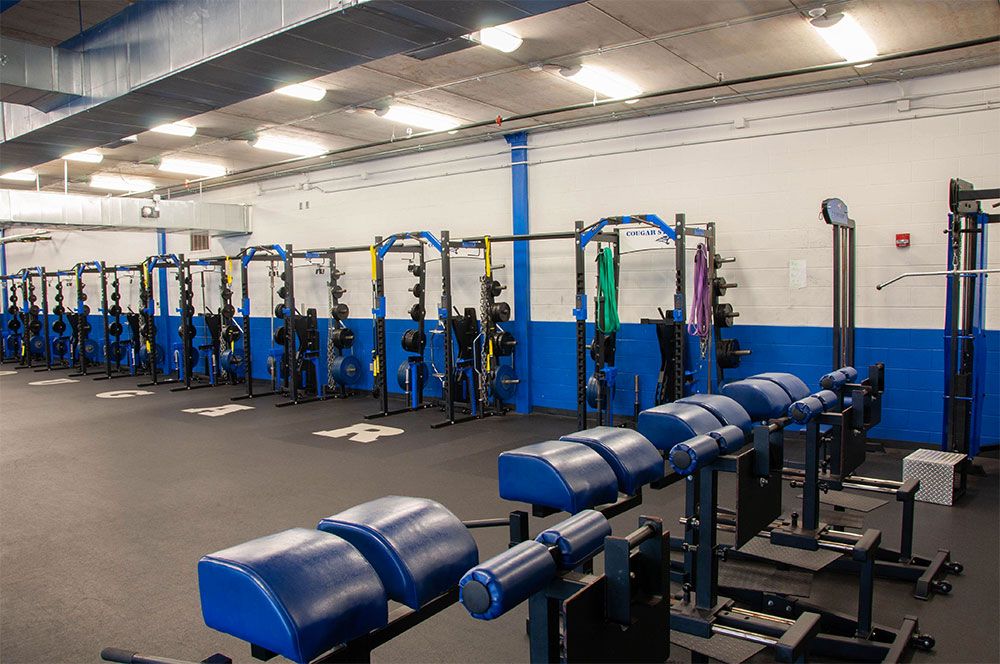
x=606, y=284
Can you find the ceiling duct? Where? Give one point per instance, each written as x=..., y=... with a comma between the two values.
x=42, y=77
x=41, y=209
x=159, y=62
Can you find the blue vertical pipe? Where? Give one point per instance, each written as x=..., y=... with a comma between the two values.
x=164, y=324
x=3, y=272
x=522, y=272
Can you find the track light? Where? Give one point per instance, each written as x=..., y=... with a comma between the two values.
x=303, y=91
x=498, y=38
x=845, y=36
x=288, y=146
x=89, y=156
x=418, y=117
x=176, y=129
x=602, y=82
x=192, y=167
x=26, y=175
x=113, y=182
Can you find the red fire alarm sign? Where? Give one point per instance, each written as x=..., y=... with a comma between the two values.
x=902, y=240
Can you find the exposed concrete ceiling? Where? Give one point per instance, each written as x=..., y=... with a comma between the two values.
x=697, y=42
x=51, y=22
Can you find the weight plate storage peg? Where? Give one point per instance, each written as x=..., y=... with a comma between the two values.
x=724, y=315
x=505, y=383
x=413, y=341
x=500, y=312
x=421, y=372
x=728, y=353
x=342, y=338
x=341, y=311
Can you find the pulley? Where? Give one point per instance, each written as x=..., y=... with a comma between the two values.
x=724, y=315
x=342, y=338
x=413, y=341
x=500, y=312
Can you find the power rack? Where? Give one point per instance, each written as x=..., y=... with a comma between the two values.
x=87, y=349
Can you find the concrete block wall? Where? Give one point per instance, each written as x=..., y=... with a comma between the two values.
x=758, y=169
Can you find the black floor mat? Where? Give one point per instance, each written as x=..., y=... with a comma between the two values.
x=810, y=560
x=723, y=648
x=751, y=575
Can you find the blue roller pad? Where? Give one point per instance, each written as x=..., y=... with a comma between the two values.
x=634, y=459
x=298, y=593
x=850, y=372
x=578, y=538
x=418, y=548
x=793, y=386
x=558, y=474
x=511, y=577
x=699, y=451
x=804, y=410
x=762, y=399
x=729, y=438
x=727, y=410
x=833, y=380
x=671, y=423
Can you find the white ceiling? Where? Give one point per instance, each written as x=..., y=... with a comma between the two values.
x=478, y=84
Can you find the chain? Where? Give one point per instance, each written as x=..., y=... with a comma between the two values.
x=330, y=352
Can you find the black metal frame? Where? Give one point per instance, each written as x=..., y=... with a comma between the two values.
x=162, y=262
x=83, y=327
x=382, y=247
x=30, y=313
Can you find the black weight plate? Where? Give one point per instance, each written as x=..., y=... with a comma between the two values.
x=115, y=296
x=86, y=310
x=13, y=325
x=341, y=311
x=115, y=310
x=417, y=312
x=279, y=311
x=115, y=329
x=59, y=326
x=35, y=326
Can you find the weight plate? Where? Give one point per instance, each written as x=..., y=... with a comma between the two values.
x=86, y=310
x=500, y=312
x=115, y=310
x=115, y=329
x=59, y=310
x=13, y=325
x=421, y=370
x=497, y=288
x=279, y=336
x=342, y=338
x=228, y=310
x=282, y=292
x=413, y=341
x=341, y=311
x=35, y=326
x=115, y=296
x=37, y=345
x=60, y=347
x=417, y=312
x=417, y=290
x=34, y=310
x=593, y=386
x=504, y=386
x=279, y=310
x=59, y=326
x=346, y=369
x=90, y=348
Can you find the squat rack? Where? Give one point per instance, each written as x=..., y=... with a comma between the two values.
x=271, y=253
x=29, y=317
x=341, y=369
x=185, y=309
x=216, y=322
x=115, y=328
x=83, y=310
x=416, y=372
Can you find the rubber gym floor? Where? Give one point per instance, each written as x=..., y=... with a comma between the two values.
x=106, y=505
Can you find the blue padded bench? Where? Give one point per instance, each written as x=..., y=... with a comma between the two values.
x=793, y=386
x=557, y=474
x=671, y=423
x=418, y=548
x=762, y=399
x=634, y=460
x=297, y=593
x=728, y=411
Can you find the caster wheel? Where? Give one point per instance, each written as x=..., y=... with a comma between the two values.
x=942, y=587
x=955, y=568
x=924, y=642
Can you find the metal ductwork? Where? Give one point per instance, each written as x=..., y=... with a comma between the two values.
x=42, y=209
x=42, y=77
x=159, y=62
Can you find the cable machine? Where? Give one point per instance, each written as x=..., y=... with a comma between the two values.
x=412, y=374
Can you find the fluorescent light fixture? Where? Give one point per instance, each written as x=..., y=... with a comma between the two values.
x=26, y=175
x=498, y=38
x=418, y=117
x=602, y=82
x=114, y=182
x=175, y=129
x=192, y=167
x=303, y=91
x=90, y=156
x=288, y=146
x=846, y=37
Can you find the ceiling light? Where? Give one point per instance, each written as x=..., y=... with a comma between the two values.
x=90, y=156
x=602, y=82
x=498, y=38
x=175, y=129
x=418, y=117
x=288, y=146
x=192, y=167
x=303, y=91
x=846, y=37
x=26, y=175
x=120, y=183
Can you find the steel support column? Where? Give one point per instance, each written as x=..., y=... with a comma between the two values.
x=522, y=267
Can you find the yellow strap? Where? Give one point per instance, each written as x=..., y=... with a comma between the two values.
x=373, y=261
x=489, y=258
x=229, y=270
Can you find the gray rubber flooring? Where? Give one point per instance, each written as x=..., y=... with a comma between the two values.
x=106, y=505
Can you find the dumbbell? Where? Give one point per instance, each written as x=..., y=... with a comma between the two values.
x=724, y=315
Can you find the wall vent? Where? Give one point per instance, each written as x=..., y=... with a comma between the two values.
x=199, y=241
